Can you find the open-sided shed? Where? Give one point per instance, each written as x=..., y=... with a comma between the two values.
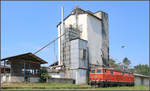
x=24, y=67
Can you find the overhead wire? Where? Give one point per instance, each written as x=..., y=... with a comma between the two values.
x=49, y=43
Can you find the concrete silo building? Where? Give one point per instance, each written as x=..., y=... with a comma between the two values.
x=83, y=43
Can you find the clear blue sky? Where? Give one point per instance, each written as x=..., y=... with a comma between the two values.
x=27, y=26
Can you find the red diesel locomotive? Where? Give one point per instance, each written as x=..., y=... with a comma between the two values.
x=103, y=77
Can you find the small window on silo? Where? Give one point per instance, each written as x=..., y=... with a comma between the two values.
x=83, y=54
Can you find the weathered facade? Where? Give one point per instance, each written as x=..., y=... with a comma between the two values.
x=22, y=68
x=84, y=44
x=60, y=80
x=93, y=28
x=79, y=61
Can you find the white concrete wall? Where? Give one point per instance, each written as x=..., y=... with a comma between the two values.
x=57, y=75
x=79, y=75
x=91, y=29
x=82, y=76
x=138, y=80
x=94, y=40
x=5, y=78
x=34, y=79
x=17, y=78
x=21, y=79
x=146, y=81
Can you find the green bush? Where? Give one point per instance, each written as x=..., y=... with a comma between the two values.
x=43, y=75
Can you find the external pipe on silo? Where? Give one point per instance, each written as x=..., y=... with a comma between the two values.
x=61, y=32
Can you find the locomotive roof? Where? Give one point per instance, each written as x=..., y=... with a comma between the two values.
x=119, y=70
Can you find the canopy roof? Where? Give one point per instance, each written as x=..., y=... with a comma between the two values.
x=26, y=56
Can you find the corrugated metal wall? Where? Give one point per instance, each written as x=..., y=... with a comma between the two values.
x=79, y=61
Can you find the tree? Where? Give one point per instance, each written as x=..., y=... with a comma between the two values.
x=43, y=75
x=126, y=61
x=141, y=69
x=125, y=64
x=112, y=63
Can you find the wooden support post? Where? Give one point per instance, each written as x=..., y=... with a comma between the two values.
x=24, y=71
x=10, y=68
x=4, y=67
x=34, y=69
x=29, y=72
x=4, y=70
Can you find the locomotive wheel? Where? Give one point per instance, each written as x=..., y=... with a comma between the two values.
x=95, y=84
x=99, y=84
x=129, y=84
x=133, y=84
x=119, y=83
x=102, y=85
x=106, y=84
x=110, y=84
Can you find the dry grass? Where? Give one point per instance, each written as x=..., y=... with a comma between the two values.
x=65, y=86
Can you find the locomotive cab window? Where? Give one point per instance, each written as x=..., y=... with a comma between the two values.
x=92, y=71
x=104, y=70
x=98, y=71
